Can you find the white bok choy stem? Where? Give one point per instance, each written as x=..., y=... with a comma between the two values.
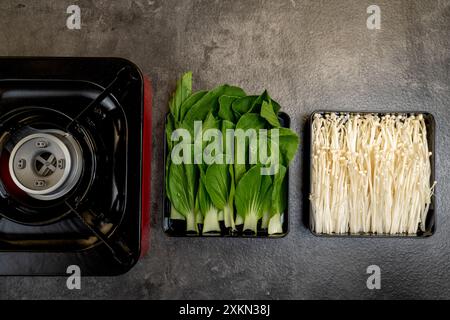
x=249, y=198
x=278, y=203
x=175, y=215
x=191, y=222
x=209, y=211
x=228, y=215
x=181, y=185
x=265, y=219
x=211, y=221
x=220, y=187
x=275, y=224
x=251, y=219
x=239, y=220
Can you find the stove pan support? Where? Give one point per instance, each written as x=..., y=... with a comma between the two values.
x=119, y=85
x=120, y=251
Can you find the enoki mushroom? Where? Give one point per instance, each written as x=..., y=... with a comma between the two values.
x=370, y=174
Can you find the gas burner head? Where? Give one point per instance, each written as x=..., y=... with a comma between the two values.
x=46, y=165
x=75, y=136
x=47, y=162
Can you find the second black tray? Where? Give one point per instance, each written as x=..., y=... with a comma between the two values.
x=430, y=223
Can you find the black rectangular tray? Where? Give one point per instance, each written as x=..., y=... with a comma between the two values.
x=430, y=223
x=177, y=228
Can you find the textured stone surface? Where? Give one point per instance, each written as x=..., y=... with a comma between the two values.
x=309, y=55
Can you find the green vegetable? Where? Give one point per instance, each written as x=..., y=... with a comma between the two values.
x=243, y=105
x=278, y=197
x=266, y=209
x=288, y=145
x=225, y=111
x=209, y=102
x=205, y=193
x=209, y=123
x=228, y=142
x=257, y=104
x=189, y=102
x=250, y=193
x=170, y=127
x=246, y=122
x=268, y=113
x=183, y=91
x=209, y=211
x=182, y=179
x=220, y=186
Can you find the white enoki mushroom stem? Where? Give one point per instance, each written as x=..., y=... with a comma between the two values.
x=370, y=174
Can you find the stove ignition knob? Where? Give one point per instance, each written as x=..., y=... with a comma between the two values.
x=21, y=164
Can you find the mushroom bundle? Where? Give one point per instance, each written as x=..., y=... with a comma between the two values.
x=371, y=174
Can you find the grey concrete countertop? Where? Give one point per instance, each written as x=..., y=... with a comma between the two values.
x=309, y=55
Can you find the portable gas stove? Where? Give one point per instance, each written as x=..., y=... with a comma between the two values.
x=75, y=149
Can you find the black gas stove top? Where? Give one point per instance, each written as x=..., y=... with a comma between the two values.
x=75, y=146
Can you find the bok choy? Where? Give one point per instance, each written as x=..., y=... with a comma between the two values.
x=235, y=153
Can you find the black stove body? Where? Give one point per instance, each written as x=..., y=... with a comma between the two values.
x=75, y=137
